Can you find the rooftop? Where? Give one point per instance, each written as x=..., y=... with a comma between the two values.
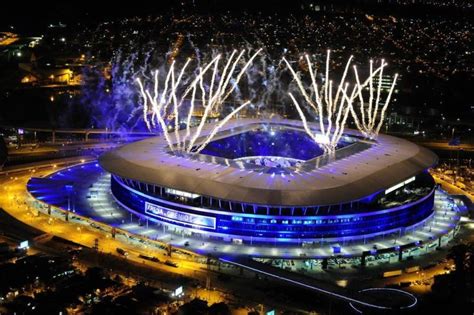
x=354, y=172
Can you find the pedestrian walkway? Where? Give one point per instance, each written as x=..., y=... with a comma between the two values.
x=85, y=190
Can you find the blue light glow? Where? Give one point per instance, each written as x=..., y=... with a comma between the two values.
x=281, y=142
x=289, y=225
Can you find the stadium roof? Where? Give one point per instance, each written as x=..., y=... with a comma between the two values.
x=382, y=165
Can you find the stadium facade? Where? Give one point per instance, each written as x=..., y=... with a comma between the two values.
x=266, y=181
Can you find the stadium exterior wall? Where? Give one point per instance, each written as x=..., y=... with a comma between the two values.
x=266, y=228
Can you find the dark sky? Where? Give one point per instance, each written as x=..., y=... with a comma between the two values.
x=31, y=16
x=34, y=12
x=27, y=15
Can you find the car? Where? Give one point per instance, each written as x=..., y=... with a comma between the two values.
x=150, y=258
x=171, y=264
x=122, y=251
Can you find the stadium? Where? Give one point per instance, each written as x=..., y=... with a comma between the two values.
x=267, y=181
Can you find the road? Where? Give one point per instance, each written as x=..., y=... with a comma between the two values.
x=17, y=202
x=445, y=146
x=453, y=189
x=8, y=38
x=14, y=199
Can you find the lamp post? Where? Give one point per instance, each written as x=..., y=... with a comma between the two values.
x=70, y=190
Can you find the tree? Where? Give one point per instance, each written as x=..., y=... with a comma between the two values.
x=219, y=309
x=195, y=307
x=463, y=257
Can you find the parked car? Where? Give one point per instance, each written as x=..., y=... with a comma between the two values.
x=150, y=258
x=171, y=264
x=122, y=251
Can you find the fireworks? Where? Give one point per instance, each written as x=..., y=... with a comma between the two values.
x=331, y=108
x=332, y=104
x=210, y=85
x=367, y=124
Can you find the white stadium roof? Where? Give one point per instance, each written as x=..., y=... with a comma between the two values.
x=384, y=164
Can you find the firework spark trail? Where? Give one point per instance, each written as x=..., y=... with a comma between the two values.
x=190, y=114
x=160, y=119
x=362, y=123
x=241, y=73
x=220, y=125
x=371, y=87
x=318, y=107
x=176, y=104
x=377, y=99
x=337, y=134
x=159, y=106
x=367, y=123
x=349, y=109
x=197, y=51
x=198, y=80
x=305, y=123
x=385, y=106
x=219, y=97
x=208, y=100
x=341, y=114
x=155, y=98
x=333, y=111
x=220, y=88
x=145, y=103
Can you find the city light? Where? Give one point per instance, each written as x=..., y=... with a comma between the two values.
x=237, y=158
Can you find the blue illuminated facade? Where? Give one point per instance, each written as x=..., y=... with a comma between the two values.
x=370, y=217
x=382, y=213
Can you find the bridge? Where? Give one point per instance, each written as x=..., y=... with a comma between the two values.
x=85, y=132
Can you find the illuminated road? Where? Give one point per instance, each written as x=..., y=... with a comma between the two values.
x=445, y=146
x=8, y=38
x=15, y=200
x=453, y=189
x=356, y=298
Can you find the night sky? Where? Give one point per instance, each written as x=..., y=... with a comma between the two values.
x=33, y=17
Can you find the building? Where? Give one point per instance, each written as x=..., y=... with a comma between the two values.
x=267, y=181
x=57, y=72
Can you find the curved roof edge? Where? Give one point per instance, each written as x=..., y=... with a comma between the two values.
x=347, y=180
